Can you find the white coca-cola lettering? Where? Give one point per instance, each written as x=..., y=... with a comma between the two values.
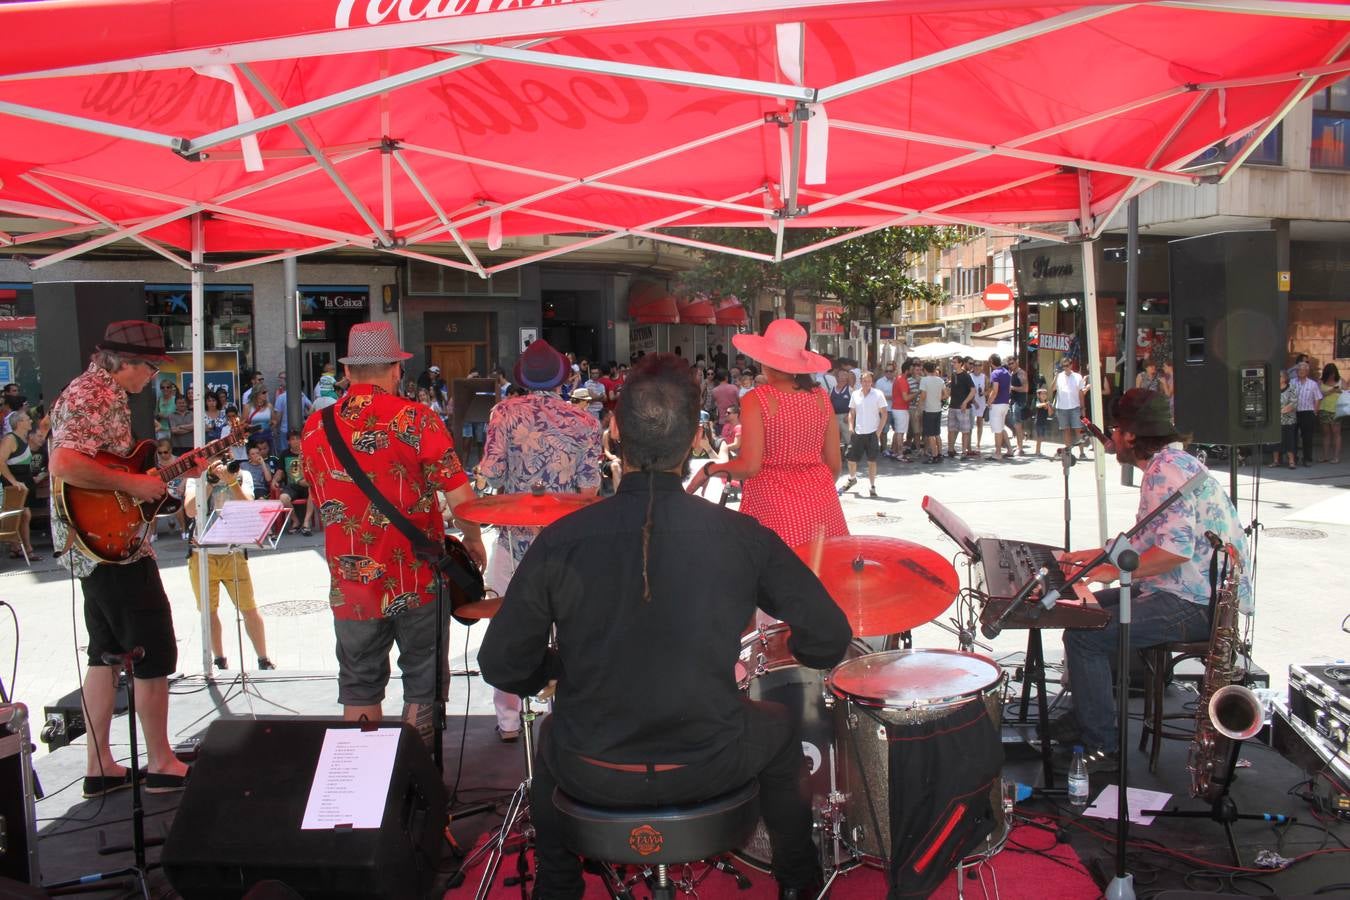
x=377, y=11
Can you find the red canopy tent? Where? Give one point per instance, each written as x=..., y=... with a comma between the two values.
x=413, y=124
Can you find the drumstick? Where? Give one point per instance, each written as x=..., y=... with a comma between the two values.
x=818, y=551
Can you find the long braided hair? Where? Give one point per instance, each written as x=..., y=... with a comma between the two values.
x=658, y=415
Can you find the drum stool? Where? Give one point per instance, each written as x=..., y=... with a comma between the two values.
x=1160, y=660
x=657, y=837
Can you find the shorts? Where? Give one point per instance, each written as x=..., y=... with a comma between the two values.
x=1016, y=413
x=1326, y=416
x=863, y=445
x=296, y=491
x=221, y=568
x=126, y=607
x=900, y=420
x=998, y=416
x=960, y=420
x=363, y=656
x=932, y=424
x=1069, y=418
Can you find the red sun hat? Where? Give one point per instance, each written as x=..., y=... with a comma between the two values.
x=782, y=347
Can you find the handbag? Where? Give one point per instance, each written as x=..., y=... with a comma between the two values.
x=450, y=561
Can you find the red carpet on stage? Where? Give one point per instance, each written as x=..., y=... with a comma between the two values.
x=1030, y=867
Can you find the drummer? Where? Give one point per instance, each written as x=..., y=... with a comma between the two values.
x=534, y=440
x=647, y=711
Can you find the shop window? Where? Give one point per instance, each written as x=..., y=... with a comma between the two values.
x=1331, y=127
x=426, y=278
x=1269, y=152
x=18, y=339
x=228, y=315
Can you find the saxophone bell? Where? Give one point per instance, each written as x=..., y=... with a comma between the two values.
x=1236, y=712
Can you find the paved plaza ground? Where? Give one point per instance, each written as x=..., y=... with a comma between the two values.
x=1303, y=591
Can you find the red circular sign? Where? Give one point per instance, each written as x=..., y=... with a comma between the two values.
x=998, y=297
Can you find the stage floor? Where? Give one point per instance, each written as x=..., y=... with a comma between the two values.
x=72, y=830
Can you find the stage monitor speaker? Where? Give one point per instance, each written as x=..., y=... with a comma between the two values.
x=71, y=319
x=240, y=820
x=1228, y=337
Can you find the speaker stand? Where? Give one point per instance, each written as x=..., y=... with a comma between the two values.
x=137, y=871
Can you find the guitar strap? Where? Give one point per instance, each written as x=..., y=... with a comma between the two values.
x=423, y=546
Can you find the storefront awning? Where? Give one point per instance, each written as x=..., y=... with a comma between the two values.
x=651, y=304
x=697, y=311
x=19, y=323
x=731, y=313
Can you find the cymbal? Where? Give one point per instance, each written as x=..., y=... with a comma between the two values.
x=482, y=609
x=884, y=585
x=527, y=510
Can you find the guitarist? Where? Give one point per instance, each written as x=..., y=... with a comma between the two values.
x=124, y=605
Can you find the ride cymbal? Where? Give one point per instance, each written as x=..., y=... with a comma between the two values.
x=528, y=510
x=883, y=585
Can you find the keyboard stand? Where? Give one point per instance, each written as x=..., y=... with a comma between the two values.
x=1033, y=675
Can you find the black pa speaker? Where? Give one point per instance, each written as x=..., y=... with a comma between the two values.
x=240, y=820
x=71, y=319
x=1228, y=334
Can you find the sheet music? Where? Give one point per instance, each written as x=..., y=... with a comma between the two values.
x=241, y=522
x=1137, y=800
x=351, y=779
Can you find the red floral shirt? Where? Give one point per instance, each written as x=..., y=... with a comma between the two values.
x=408, y=455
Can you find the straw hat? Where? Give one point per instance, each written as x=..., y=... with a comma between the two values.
x=371, y=344
x=132, y=337
x=782, y=347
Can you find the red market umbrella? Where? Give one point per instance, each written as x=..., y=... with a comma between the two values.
x=730, y=312
x=697, y=311
x=650, y=304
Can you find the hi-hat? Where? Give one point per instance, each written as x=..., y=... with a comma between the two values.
x=528, y=510
x=883, y=585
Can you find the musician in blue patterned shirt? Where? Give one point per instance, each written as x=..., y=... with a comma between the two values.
x=1171, y=588
x=535, y=439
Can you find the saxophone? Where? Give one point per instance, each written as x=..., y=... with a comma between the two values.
x=1227, y=713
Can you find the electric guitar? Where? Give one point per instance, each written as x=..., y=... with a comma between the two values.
x=110, y=526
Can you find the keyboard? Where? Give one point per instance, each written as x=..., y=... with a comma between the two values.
x=1010, y=564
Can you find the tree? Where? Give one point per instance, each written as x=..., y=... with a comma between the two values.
x=867, y=274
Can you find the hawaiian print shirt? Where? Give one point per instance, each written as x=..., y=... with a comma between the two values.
x=90, y=416
x=539, y=438
x=408, y=455
x=1181, y=528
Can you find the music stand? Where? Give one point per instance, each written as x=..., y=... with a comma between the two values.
x=235, y=526
x=472, y=400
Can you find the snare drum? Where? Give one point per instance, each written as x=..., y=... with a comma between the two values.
x=766, y=670
x=903, y=688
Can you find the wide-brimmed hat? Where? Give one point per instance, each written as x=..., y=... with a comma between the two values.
x=581, y=394
x=371, y=344
x=540, y=367
x=782, y=347
x=133, y=337
x=1145, y=413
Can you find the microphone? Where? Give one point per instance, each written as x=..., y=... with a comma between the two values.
x=993, y=629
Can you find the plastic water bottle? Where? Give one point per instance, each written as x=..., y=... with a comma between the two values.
x=1078, y=779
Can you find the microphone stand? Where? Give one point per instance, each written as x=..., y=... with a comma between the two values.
x=1067, y=461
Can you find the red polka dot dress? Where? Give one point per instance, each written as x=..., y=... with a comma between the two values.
x=794, y=493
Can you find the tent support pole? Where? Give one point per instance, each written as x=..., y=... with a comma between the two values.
x=1094, y=356
x=1129, y=339
x=198, y=276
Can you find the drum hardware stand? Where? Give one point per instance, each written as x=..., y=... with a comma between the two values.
x=517, y=814
x=138, y=869
x=240, y=522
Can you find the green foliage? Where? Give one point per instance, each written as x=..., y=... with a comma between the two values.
x=864, y=273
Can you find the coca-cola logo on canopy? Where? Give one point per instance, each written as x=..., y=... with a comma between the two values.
x=377, y=11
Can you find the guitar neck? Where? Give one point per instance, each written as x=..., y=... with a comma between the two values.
x=187, y=461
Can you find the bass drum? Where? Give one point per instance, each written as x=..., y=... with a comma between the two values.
x=903, y=687
x=766, y=670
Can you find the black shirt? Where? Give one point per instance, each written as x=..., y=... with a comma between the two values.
x=962, y=385
x=652, y=681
